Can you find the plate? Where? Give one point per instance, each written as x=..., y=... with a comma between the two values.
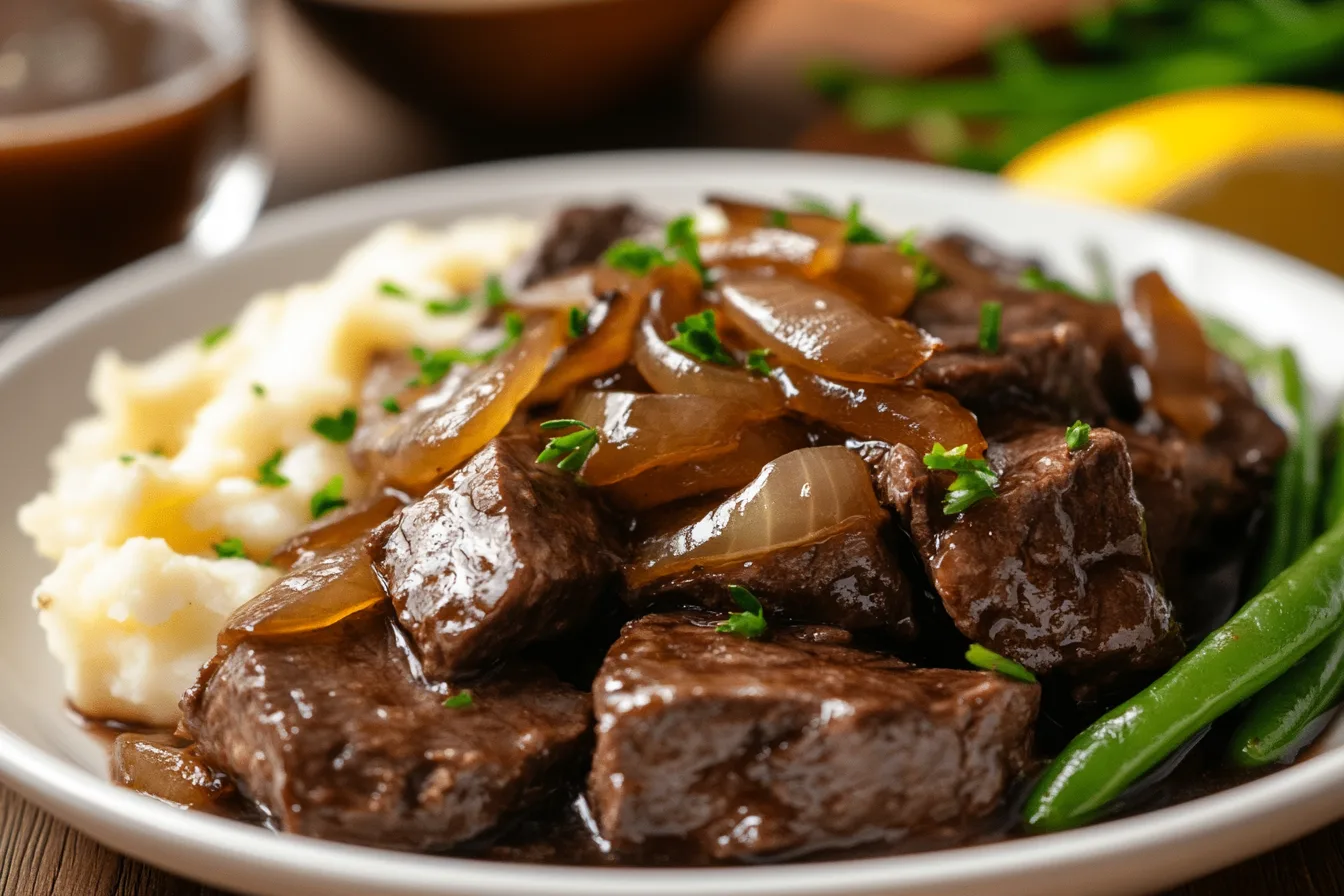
x=43, y=368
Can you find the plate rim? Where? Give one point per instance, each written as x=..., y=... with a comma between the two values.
x=55, y=784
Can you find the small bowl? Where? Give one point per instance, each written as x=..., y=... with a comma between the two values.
x=521, y=63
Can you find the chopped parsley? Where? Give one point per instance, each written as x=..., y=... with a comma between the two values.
x=259, y=390
x=1034, y=278
x=927, y=276
x=460, y=700
x=975, y=480
x=391, y=405
x=570, y=451
x=984, y=658
x=393, y=290
x=856, y=231
x=777, y=218
x=757, y=363
x=698, y=336
x=229, y=547
x=337, y=429
x=434, y=366
x=813, y=205
x=492, y=291
x=214, y=337
x=750, y=623
x=1077, y=435
x=578, y=323
x=682, y=243
x=634, y=257
x=991, y=321
x=268, y=472
x=127, y=458
x=328, y=497
x=440, y=307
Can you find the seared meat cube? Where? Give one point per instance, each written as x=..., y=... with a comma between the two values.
x=746, y=748
x=1047, y=375
x=578, y=235
x=1055, y=572
x=335, y=736
x=503, y=554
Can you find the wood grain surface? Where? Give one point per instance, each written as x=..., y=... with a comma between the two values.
x=748, y=94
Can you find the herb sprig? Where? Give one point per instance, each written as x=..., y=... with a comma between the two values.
x=927, y=275
x=698, y=337
x=212, y=338
x=750, y=623
x=460, y=700
x=229, y=548
x=984, y=658
x=974, y=482
x=268, y=472
x=337, y=429
x=680, y=243
x=328, y=497
x=991, y=322
x=568, y=452
x=1077, y=435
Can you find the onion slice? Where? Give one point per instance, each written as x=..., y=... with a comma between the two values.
x=455, y=419
x=574, y=289
x=314, y=597
x=816, y=327
x=805, y=243
x=884, y=279
x=760, y=444
x=904, y=415
x=604, y=349
x=801, y=498
x=639, y=432
x=1182, y=368
x=338, y=529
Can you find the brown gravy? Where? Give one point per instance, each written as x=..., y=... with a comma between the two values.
x=87, y=189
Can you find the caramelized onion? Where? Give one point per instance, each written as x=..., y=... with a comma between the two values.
x=316, y=596
x=810, y=244
x=557, y=293
x=883, y=279
x=1182, y=368
x=456, y=418
x=640, y=432
x=760, y=444
x=167, y=767
x=675, y=373
x=607, y=347
x=818, y=328
x=339, y=528
x=897, y=414
x=800, y=498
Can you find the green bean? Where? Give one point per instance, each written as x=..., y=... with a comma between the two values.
x=1274, y=630
x=1297, y=486
x=1333, y=502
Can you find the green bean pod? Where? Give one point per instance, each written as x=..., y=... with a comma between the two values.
x=1274, y=630
x=1298, y=483
x=1333, y=503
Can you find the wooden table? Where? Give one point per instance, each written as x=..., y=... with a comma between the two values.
x=748, y=95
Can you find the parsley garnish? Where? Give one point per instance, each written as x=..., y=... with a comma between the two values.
x=578, y=323
x=268, y=473
x=683, y=243
x=214, y=337
x=393, y=290
x=229, y=547
x=636, y=258
x=493, y=292
x=1077, y=435
x=750, y=623
x=440, y=307
x=757, y=363
x=337, y=429
x=991, y=320
x=328, y=497
x=856, y=231
x=814, y=205
x=391, y=405
x=460, y=700
x=1035, y=279
x=434, y=366
x=571, y=449
x=984, y=658
x=777, y=218
x=698, y=336
x=127, y=458
x=259, y=390
x=927, y=276
x=975, y=480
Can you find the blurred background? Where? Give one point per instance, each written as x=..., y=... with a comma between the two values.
x=129, y=124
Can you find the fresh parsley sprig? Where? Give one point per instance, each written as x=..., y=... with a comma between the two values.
x=1077, y=435
x=337, y=429
x=570, y=451
x=974, y=482
x=229, y=548
x=214, y=337
x=698, y=336
x=460, y=700
x=857, y=231
x=434, y=366
x=268, y=472
x=927, y=275
x=984, y=658
x=578, y=323
x=991, y=322
x=750, y=623
x=680, y=244
x=328, y=497
x=757, y=361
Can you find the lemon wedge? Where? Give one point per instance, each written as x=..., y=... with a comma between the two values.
x=1264, y=162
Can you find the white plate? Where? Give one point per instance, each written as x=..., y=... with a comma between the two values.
x=43, y=369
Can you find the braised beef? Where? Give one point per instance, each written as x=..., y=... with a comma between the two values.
x=744, y=749
x=1055, y=572
x=850, y=579
x=578, y=235
x=504, y=553
x=335, y=735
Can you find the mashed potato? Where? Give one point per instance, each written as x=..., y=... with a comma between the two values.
x=169, y=464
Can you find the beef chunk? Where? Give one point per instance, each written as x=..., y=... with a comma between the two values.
x=332, y=733
x=578, y=235
x=850, y=579
x=503, y=554
x=1054, y=572
x=965, y=260
x=751, y=748
x=1047, y=375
